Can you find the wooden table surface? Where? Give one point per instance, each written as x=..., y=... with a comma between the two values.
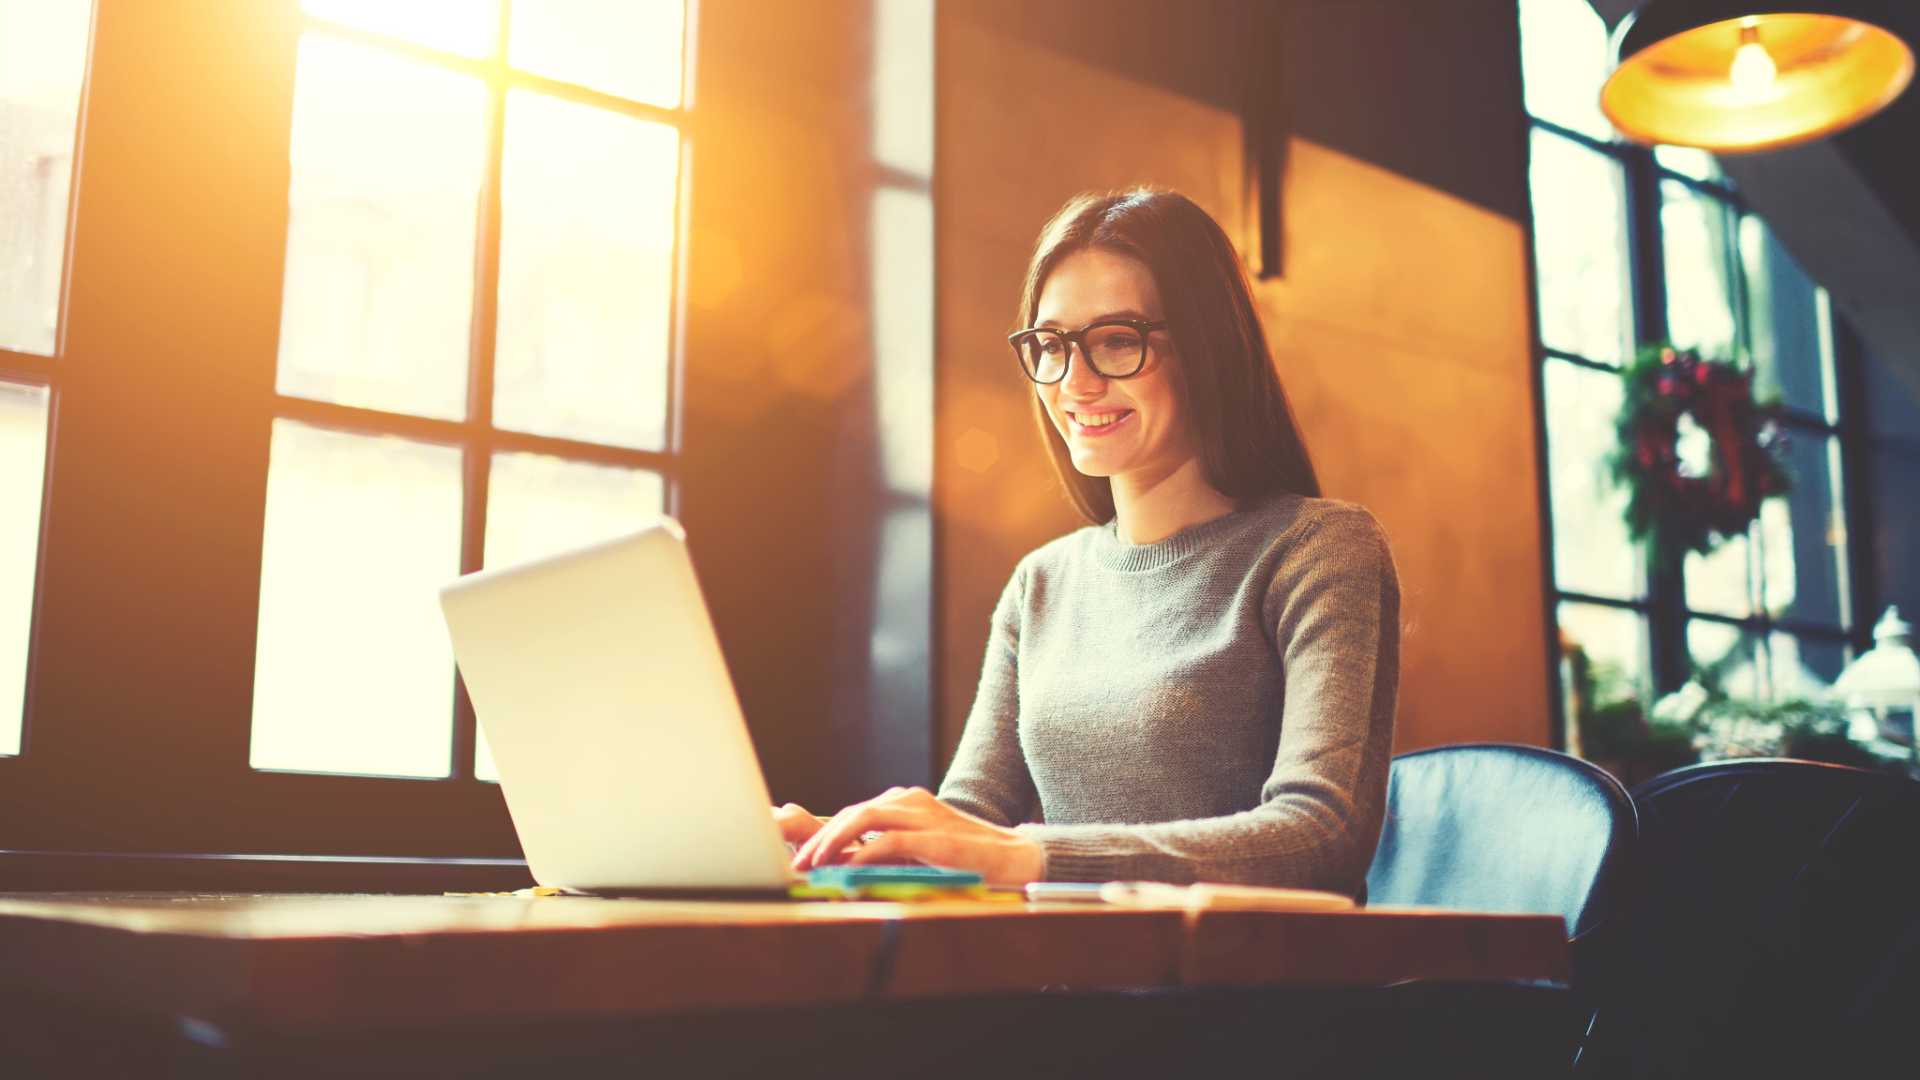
x=313, y=963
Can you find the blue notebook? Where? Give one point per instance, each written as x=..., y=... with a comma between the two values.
x=853, y=877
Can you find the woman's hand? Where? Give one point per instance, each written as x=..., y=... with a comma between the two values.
x=913, y=826
x=796, y=825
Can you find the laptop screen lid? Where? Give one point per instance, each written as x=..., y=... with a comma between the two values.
x=622, y=752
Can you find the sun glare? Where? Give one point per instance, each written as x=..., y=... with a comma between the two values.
x=466, y=27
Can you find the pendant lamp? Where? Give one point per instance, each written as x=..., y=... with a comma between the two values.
x=1735, y=76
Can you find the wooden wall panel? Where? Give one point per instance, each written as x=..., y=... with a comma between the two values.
x=1401, y=331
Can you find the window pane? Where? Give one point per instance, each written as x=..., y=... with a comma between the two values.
x=1801, y=667
x=903, y=96
x=539, y=505
x=388, y=157
x=461, y=26
x=1771, y=667
x=1896, y=526
x=626, y=47
x=1613, y=642
x=1580, y=249
x=1721, y=582
x=586, y=273
x=1893, y=402
x=1788, y=324
x=1733, y=655
x=903, y=291
x=1602, y=673
x=1592, y=551
x=1803, y=536
x=23, y=449
x=1564, y=59
x=1690, y=161
x=43, y=57
x=1695, y=233
x=353, y=671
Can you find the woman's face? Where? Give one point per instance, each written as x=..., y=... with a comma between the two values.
x=1144, y=434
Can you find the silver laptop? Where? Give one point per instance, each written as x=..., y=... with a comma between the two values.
x=622, y=753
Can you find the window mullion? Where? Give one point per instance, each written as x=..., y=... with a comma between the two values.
x=1856, y=464
x=1666, y=585
x=26, y=368
x=478, y=460
x=1737, y=282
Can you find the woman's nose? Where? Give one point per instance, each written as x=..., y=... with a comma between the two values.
x=1080, y=374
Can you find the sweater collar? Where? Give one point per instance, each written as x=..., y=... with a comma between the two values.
x=1117, y=554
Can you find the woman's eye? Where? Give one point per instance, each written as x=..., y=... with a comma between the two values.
x=1051, y=347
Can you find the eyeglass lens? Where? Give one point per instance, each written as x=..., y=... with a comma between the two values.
x=1114, y=351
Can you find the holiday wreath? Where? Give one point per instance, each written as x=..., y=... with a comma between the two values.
x=1677, y=501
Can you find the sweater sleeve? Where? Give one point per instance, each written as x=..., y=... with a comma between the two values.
x=1334, y=608
x=989, y=776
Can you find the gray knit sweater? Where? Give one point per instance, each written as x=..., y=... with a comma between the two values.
x=1216, y=706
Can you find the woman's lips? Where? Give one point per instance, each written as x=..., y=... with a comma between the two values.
x=1092, y=431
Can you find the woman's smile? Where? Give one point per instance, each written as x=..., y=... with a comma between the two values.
x=1093, y=424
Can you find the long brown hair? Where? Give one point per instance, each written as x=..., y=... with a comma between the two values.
x=1237, y=410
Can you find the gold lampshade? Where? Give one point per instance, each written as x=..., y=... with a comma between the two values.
x=1755, y=82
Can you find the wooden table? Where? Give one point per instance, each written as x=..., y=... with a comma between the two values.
x=327, y=963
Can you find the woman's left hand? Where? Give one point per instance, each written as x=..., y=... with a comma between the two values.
x=913, y=826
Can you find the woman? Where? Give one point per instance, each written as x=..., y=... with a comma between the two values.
x=1199, y=685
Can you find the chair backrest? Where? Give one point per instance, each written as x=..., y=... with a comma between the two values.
x=1503, y=827
x=1775, y=924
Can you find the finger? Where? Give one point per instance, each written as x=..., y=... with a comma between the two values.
x=932, y=847
x=803, y=855
x=915, y=798
x=846, y=828
x=807, y=848
x=796, y=825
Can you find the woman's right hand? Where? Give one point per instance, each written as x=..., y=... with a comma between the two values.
x=796, y=825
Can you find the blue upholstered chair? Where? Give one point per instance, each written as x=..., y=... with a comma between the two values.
x=1504, y=827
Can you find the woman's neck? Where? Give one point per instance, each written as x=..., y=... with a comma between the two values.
x=1150, y=509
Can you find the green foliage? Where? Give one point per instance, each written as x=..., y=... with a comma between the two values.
x=1709, y=723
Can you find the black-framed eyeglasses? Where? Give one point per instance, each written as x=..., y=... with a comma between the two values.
x=1116, y=348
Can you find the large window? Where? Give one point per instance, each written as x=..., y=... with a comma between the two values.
x=43, y=56
x=348, y=298
x=474, y=348
x=1634, y=245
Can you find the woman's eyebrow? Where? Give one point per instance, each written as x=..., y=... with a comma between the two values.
x=1123, y=313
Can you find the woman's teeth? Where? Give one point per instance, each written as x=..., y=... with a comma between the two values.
x=1097, y=419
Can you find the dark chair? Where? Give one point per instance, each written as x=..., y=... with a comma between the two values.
x=1774, y=929
x=1502, y=827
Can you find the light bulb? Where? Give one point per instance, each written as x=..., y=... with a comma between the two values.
x=1753, y=69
